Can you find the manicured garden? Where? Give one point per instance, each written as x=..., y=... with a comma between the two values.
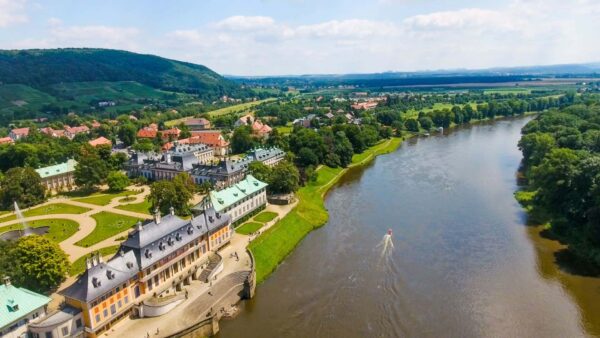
x=266, y=216
x=108, y=224
x=271, y=248
x=142, y=207
x=78, y=266
x=105, y=198
x=248, y=228
x=58, y=229
x=49, y=209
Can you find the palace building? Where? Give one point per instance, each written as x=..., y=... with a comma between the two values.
x=156, y=259
x=58, y=176
x=239, y=200
x=18, y=308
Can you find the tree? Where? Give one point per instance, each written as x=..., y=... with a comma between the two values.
x=343, y=148
x=284, y=178
x=176, y=193
x=307, y=157
x=242, y=140
x=39, y=263
x=535, y=146
x=425, y=122
x=117, y=181
x=144, y=146
x=21, y=185
x=90, y=170
x=412, y=125
x=260, y=170
x=127, y=134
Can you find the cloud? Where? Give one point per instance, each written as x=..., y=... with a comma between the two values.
x=467, y=18
x=12, y=12
x=242, y=23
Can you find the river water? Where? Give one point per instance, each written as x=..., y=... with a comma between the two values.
x=464, y=263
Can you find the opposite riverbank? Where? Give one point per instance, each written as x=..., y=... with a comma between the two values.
x=273, y=246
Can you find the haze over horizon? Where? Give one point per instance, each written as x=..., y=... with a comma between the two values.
x=296, y=37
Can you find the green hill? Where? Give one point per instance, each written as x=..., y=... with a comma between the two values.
x=53, y=80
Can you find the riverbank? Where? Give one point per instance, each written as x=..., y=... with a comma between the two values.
x=273, y=246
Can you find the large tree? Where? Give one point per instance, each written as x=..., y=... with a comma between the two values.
x=21, y=185
x=90, y=170
x=176, y=193
x=117, y=181
x=242, y=140
x=39, y=264
x=284, y=178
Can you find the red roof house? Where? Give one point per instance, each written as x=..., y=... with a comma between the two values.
x=100, y=141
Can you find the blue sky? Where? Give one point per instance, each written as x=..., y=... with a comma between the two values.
x=273, y=37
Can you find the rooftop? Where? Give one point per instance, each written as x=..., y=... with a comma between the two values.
x=57, y=169
x=226, y=197
x=16, y=303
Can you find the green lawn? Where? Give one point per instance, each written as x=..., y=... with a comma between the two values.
x=105, y=198
x=78, y=266
x=271, y=248
x=108, y=224
x=49, y=209
x=265, y=216
x=248, y=228
x=507, y=90
x=142, y=207
x=59, y=229
x=285, y=130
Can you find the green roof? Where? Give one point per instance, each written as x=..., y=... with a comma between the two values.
x=15, y=303
x=57, y=169
x=226, y=197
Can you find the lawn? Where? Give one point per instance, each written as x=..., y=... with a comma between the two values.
x=105, y=198
x=49, y=209
x=108, y=224
x=508, y=90
x=271, y=248
x=78, y=266
x=265, y=216
x=285, y=130
x=59, y=229
x=248, y=228
x=142, y=207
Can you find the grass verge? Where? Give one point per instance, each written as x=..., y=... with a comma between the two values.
x=271, y=248
x=248, y=228
x=78, y=266
x=108, y=224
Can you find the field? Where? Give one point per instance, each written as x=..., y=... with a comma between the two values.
x=271, y=248
x=414, y=113
x=238, y=108
x=79, y=265
x=108, y=224
x=507, y=91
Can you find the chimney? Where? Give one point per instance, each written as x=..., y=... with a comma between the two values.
x=6, y=280
x=172, y=211
x=99, y=257
x=157, y=216
x=88, y=263
x=138, y=226
x=94, y=260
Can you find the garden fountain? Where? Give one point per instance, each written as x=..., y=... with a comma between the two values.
x=25, y=229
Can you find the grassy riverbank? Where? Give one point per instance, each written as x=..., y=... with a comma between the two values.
x=271, y=248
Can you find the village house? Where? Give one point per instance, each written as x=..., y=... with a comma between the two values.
x=150, y=270
x=18, y=308
x=147, y=132
x=18, y=133
x=6, y=140
x=214, y=139
x=245, y=120
x=261, y=129
x=100, y=141
x=241, y=199
x=59, y=176
x=71, y=132
x=364, y=105
x=197, y=124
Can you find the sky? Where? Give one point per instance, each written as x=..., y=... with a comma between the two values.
x=285, y=37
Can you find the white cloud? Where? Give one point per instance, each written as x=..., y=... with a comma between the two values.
x=12, y=12
x=240, y=23
x=468, y=18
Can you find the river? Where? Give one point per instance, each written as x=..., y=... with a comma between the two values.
x=464, y=263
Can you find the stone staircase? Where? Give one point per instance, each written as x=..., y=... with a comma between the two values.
x=214, y=260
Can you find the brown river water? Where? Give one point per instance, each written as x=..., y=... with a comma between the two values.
x=464, y=263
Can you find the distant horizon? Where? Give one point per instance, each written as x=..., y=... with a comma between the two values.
x=270, y=38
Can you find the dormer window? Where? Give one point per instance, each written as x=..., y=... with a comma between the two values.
x=12, y=305
x=178, y=237
x=161, y=246
x=190, y=230
x=148, y=253
x=129, y=265
x=110, y=274
x=96, y=282
x=170, y=241
x=211, y=219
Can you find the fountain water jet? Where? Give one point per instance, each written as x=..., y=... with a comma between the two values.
x=25, y=231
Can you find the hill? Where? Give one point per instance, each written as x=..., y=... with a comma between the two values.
x=51, y=80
